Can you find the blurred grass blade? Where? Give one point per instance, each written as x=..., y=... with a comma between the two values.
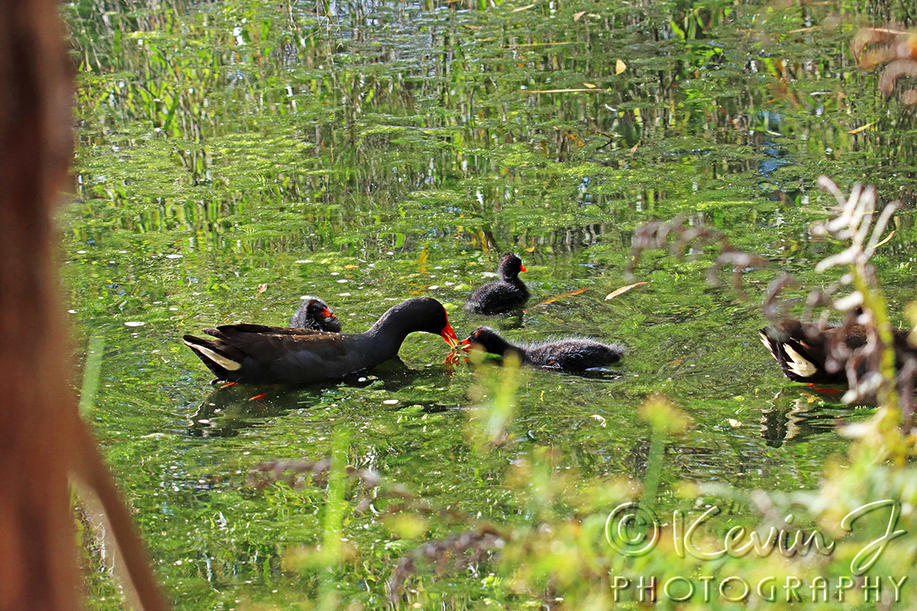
x=91, y=372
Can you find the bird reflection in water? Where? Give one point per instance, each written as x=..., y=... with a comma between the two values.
x=797, y=414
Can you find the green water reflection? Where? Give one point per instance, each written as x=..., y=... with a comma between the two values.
x=234, y=156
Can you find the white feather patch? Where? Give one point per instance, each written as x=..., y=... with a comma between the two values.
x=226, y=363
x=767, y=343
x=800, y=366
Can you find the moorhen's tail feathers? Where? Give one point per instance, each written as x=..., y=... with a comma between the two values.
x=219, y=357
x=801, y=359
x=809, y=352
x=794, y=365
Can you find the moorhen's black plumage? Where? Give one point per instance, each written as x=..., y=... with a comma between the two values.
x=313, y=313
x=572, y=354
x=256, y=354
x=803, y=349
x=509, y=294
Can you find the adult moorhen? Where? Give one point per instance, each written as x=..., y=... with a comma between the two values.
x=509, y=294
x=314, y=314
x=257, y=354
x=804, y=350
x=572, y=354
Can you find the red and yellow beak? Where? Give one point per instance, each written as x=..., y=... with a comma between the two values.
x=522, y=268
x=449, y=335
x=326, y=314
x=466, y=344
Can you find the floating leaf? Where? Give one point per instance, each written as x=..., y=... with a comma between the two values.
x=261, y=289
x=423, y=261
x=620, y=67
x=885, y=240
x=578, y=16
x=733, y=423
x=564, y=90
x=624, y=289
x=862, y=128
x=800, y=30
x=561, y=296
x=523, y=8
x=590, y=85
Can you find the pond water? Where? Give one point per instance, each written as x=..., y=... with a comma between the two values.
x=234, y=156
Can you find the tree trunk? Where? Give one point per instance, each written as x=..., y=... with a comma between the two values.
x=42, y=439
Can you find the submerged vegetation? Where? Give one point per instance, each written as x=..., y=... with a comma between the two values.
x=235, y=155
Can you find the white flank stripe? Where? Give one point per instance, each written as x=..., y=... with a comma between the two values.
x=767, y=343
x=800, y=366
x=216, y=357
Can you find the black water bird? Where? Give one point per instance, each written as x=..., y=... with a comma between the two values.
x=313, y=313
x=571, y=354
x=506, y=295
x=258, y=354
x=809, y=352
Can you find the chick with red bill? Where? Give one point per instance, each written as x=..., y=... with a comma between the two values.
x=313, y=313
